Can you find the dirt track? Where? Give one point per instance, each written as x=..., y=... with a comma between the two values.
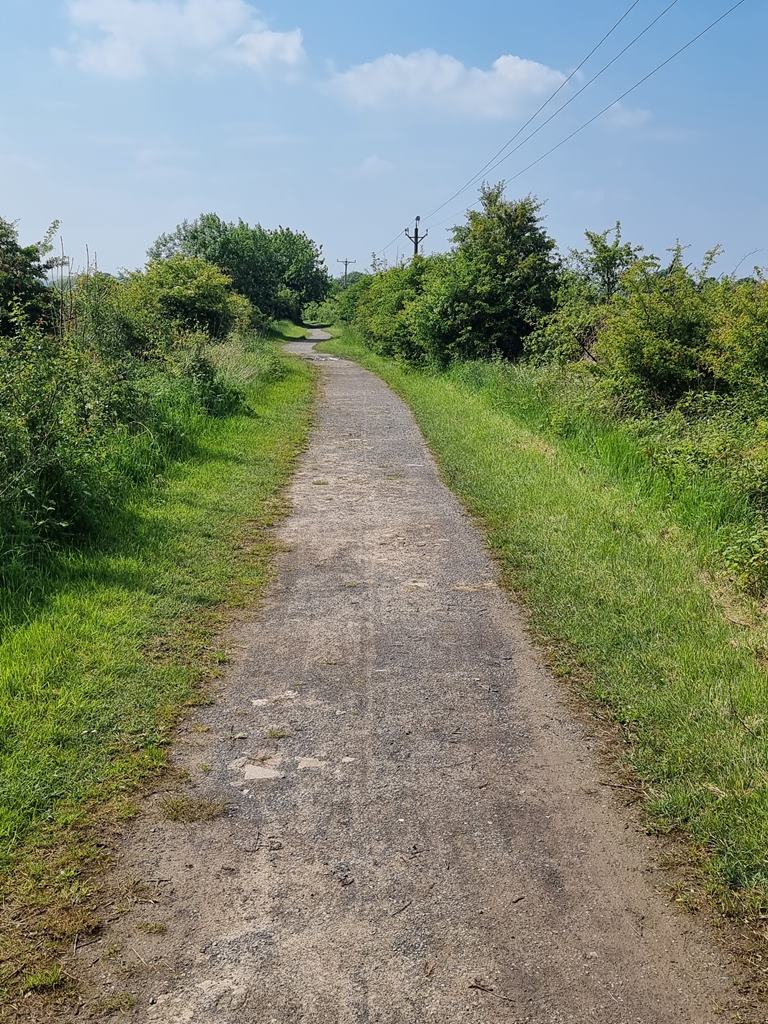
x=417, y=829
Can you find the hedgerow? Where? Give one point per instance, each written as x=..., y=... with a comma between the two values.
x=104, y=379
x=676, y=353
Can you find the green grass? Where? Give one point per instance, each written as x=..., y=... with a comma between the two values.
x=108, y=641
x=288, y=331
x=611, y=562
x=107, y=644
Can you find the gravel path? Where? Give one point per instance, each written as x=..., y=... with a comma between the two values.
x=417, y=829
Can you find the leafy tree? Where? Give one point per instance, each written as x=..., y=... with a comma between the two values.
x=279, y=271
x=242, y=252
x=505, y=276
x=302, y=273
x=23, y=274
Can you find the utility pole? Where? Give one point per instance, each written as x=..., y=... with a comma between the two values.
x=347, y=265
x=417, y=238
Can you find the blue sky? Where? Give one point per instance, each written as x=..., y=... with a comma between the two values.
x=122, y=117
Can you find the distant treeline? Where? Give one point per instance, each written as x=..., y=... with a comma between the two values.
x=104, y=378
x=675, y=352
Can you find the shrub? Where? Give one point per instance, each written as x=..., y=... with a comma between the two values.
x=185, y=292
x=382, y=309
x=657, y=330
x=91, y=410
x=590, y=280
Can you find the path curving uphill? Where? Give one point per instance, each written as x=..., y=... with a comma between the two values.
x=416, y=826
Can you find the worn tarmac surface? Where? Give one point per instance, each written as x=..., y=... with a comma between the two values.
x=416, y=827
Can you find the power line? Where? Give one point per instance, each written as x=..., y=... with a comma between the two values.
x=543, y=106
x=530, y=120
x=633, y=88
x=498, y=157
x=384, y=248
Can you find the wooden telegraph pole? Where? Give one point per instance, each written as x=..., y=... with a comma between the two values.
x=417, y=238
x=347, y=265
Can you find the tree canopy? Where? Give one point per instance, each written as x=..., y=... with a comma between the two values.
x=279, y=271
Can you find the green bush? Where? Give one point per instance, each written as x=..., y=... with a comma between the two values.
x=657, y=329
x=92, y=409
x=382, y=310
x=186, y=293
x=481, y=300
x=279, y=271
x=590, y=279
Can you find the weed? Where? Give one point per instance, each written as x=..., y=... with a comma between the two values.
x=278, y=733
x=43, y=980
x=188, y=809
x=121, y=1002
x=153, y=928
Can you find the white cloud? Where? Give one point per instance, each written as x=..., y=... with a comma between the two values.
x=127, y=38
x=620, y=116
x=436, y=80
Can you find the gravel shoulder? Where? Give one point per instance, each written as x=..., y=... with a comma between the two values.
x=393, y=814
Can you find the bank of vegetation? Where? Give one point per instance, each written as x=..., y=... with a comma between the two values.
x=605, y=414
x=147, y=424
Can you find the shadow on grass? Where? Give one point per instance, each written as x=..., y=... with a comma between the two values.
x=126, y=534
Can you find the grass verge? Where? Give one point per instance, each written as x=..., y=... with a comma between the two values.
x=286, y=330
x=111, y=641
x=612, y=566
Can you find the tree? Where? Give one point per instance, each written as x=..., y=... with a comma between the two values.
x=279, y=271
x=505, y=275
x=23, y=280
x=242, y=252
x=302, y=273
